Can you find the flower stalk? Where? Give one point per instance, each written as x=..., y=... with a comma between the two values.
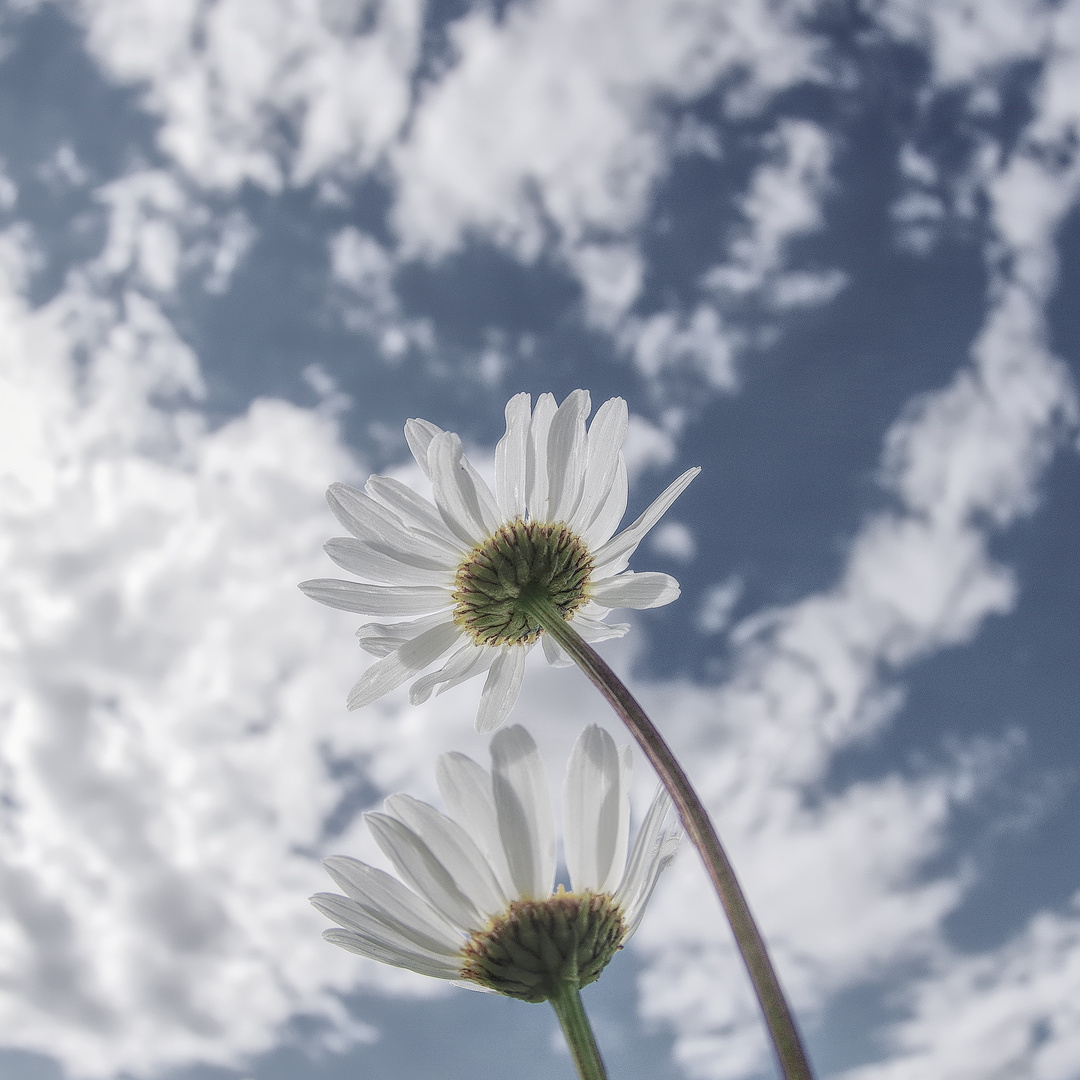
x=579, y=1034
x=695, y=818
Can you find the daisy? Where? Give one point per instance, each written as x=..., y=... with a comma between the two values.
x=467, y=572
x=478, y=906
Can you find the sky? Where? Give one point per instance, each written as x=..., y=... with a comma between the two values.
x=824, y=250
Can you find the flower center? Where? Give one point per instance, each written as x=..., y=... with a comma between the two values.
x=540, y=946
x=523, y=560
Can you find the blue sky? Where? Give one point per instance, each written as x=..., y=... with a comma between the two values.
x=828, y=253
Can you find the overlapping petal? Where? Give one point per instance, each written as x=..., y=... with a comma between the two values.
x=613, y=556
x=523, y=807
x=596, y=812
x=407, y=660
x=511, y=456
x=501, y=688
x=630, y=590
x=385, y=898
x=376, y=599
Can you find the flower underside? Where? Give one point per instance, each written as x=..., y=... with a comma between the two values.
x=540, y=947
x=522, y=562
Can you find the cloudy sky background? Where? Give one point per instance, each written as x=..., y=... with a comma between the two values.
x=829, y=252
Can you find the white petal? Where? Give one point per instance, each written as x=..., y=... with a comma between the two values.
x=399, y=955
x=465, y=788
x=593, y=630
x=468, y=661
x=567, y=453
x=609, y=512
x=615, y=554
x=367, y=561
x=630, y=590
x=423, y=872
x=655, y=847
x=485, y=656
x=461, y=494
x=376, y=599
x=455, y=849
x=417, y=514
x=510, y=458
x=381, y=639
x=607, y=433
x=536, y=475
x=411, y=657
x=622, y=841
x=501, y=688
x=596, y=812
x=666, y=849
x=384, y=898
x=369, y=520
x=523, y=808
x=418, y=434
x=354, y=917
x=554, y=652
x=466, y=984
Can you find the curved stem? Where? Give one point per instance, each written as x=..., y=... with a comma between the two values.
x=695, y=818
x=578, y=1032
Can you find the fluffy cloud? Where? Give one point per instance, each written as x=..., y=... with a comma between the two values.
x=362, y=271
x=147, y=865
x=1011, y=1013
x=545, y=128
x=546, y=117
x=272, y=93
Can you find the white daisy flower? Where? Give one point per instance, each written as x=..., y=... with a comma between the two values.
x=462, y=571
x=478, y=905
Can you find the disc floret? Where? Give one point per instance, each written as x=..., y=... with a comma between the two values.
x=540, y=948
x=521, y=562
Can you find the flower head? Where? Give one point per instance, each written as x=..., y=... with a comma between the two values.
x=466, y=571
x=479, y=906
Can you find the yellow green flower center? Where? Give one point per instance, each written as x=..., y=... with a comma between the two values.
x=522, y=561
x=541, y=947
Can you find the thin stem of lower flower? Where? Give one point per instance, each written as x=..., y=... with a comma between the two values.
x=695, y=818
x=579, y=1035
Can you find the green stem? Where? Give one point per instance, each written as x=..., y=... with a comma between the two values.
x=578, y=1032
x=695, y=818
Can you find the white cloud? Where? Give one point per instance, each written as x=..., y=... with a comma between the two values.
x=63, y=169
x=783, y=201
x=150, y=873
x=363, y=269
x=667, y=343
x=714, y=611
x=9, y=191
x=158, y=232
x=545, y=129
x=966, y=41
x=647, y=447
x=673, y=539
x=366, y=267
x=1013, y=1012
x=227, y=78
